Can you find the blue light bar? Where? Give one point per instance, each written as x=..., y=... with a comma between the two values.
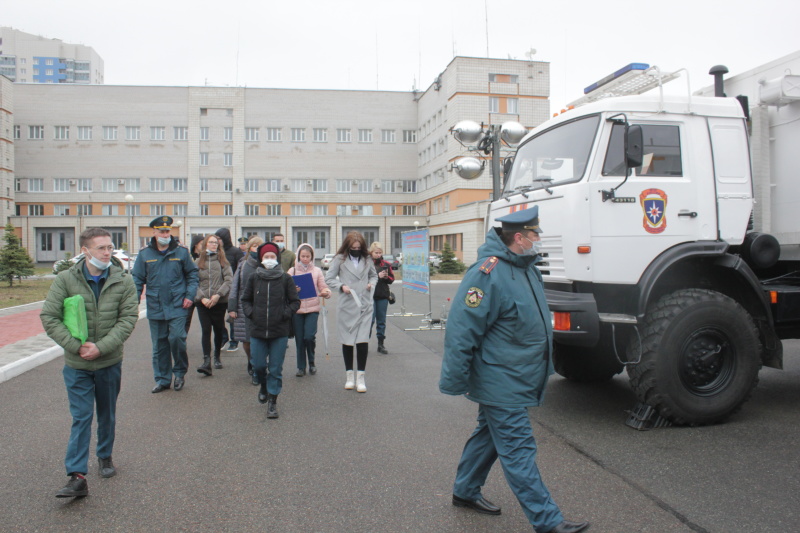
x=615, y=75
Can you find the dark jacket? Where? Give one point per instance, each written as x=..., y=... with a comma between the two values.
x=232, y=253
x=382, y=288
x=269, y=301
x=111, y=318
x=169, y=278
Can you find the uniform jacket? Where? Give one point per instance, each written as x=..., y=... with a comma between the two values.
x=241, y=324
x=269, y=301
x=213, y=279
x=499, y=337
x=111, y=318
x=382, y=289
x=169, y=279
x=353, y=322
x=309, y=305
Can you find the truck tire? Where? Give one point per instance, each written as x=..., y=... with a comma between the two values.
x=587, y=365
x=700, y=357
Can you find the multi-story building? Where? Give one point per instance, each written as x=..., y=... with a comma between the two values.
x=312, y=164
x=27, y=58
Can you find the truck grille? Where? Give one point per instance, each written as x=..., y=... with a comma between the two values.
x=552, y=263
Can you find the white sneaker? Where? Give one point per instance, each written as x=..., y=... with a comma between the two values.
x=349, y=384
x=361, y=387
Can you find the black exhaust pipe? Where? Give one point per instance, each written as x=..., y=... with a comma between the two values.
x=718, y=71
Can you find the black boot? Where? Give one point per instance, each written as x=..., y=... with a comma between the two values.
x=310, y=348
x=381, y=347
x=262, y=392
x=272, y=408
x=217, y=362
x=205, y=368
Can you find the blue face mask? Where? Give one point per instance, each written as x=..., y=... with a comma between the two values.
x=97, y=263
x=534, y=250
x=163, y=241
x=254, y=255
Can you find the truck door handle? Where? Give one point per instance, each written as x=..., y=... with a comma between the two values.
x=690, y=214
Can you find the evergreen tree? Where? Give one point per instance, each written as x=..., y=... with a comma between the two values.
x=449, y=264
x=14, y=259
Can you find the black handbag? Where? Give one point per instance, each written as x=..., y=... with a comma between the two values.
x=391, y=297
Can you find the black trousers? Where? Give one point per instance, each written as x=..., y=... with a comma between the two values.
x=361, y=356
x=213, y=318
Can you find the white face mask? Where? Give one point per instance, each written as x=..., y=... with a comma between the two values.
x=280, y=245
x=97, y=263
x=269, y=263
x=163, y=241
x=534, y=250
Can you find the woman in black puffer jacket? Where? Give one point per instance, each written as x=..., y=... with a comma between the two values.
x=269, y=301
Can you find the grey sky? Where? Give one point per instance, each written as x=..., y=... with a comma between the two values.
x=355, y=44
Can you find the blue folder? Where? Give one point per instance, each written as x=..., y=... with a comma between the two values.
x=306, y=284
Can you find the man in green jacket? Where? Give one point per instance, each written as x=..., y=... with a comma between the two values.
x=92, y=369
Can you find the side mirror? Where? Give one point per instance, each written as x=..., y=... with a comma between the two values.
x=634, y=146
x=507, y=164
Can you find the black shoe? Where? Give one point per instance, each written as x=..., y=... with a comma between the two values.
x=312, y=369
x=233, y=346
x=106, y=467
x=249, y=369
x=482, y=505
x=570, y=527
x=76, y=487
x=160, y=388
x=382, y=349
x=179, y=382
x=217, y=362
x=262, y=394
x=205, y=368
x=272, y=408
x=300, y=372
x=254, y=379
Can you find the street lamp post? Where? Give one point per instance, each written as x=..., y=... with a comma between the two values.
x=129, y=209
x=179, y=225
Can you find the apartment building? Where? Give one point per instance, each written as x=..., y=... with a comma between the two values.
x=312, y=164
x=28, y=58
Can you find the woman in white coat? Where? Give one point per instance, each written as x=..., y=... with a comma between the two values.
x=352, y=275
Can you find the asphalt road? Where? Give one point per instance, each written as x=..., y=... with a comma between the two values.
x=207, y=459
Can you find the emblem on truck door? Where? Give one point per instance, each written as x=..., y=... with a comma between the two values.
x=654, y=205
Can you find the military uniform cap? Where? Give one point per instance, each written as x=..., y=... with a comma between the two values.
x=161, y=223
x=527, y=219
x=243, y=240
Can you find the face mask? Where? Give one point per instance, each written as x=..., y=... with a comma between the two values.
x=98, y=264
x=209, y=252
x=269, y=263
x=163, y=241
x=355, y=253
x=534, y=250
x=280, y=245
x=254, y=255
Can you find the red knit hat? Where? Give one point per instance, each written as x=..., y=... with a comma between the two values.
x=268, y=247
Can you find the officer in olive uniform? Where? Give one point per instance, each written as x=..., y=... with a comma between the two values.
x=497, y=353
x=170, y=275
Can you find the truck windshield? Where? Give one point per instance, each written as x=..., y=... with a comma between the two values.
x=558, y=155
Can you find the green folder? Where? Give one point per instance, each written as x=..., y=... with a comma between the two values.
x=75, y=317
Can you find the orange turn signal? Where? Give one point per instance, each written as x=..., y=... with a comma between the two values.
x=773, y=297
x=561, y=321
x=584, y=249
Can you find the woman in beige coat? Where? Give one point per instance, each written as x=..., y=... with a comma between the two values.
x=214, y=284
x=352, y=275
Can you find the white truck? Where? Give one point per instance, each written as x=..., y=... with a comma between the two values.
x=671, y=241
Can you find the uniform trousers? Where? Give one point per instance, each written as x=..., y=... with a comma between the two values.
x=169, y=349
x=305, y=333
x=268, y=354
x=87, y=390
x=506, y=433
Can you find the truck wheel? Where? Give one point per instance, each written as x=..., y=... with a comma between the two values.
x=586, y=365
x=700, y=357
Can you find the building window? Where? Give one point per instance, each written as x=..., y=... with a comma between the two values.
x=494, y=104
x=251, y=134
x=512, y=106
x=320, y=210
x=179, y=210
x=319, y=185
x=157, y=184
x=133, y=133
x=61, y=185
x=227, y=210
x=298, y=185
x=406, y=186
x=109, y=184
x=343, y=185
x=273, y=185
x=84, y=210
x=180, y=133
x=110, y=209
x=320, y=135
x=503, y=78
x=251, y=185
x=61, y=133
x=204, y=210
x=365, y=136
x=251, y=210
x=343, y=135
x=158, y=133
x=298, y=135
x=364, y=185
x=203, y=184
x=298, y=210
x=179, y=184
x=227, y=134
x=85, y=185
x=35, y=132
x=387, y=185
x=274, y=134
x=132, y=185
x=132, y=210
x=109, y=133
x=409, y=136
x=36, y=210
x=157, y=210
x=203, y=159
x=409, y=210
x=227, y=159
x=227, y=185
x=387, y=210
x=387, y=136
x=84, y=133
x=273, y=210
x=204, y=133
x=17, y=131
